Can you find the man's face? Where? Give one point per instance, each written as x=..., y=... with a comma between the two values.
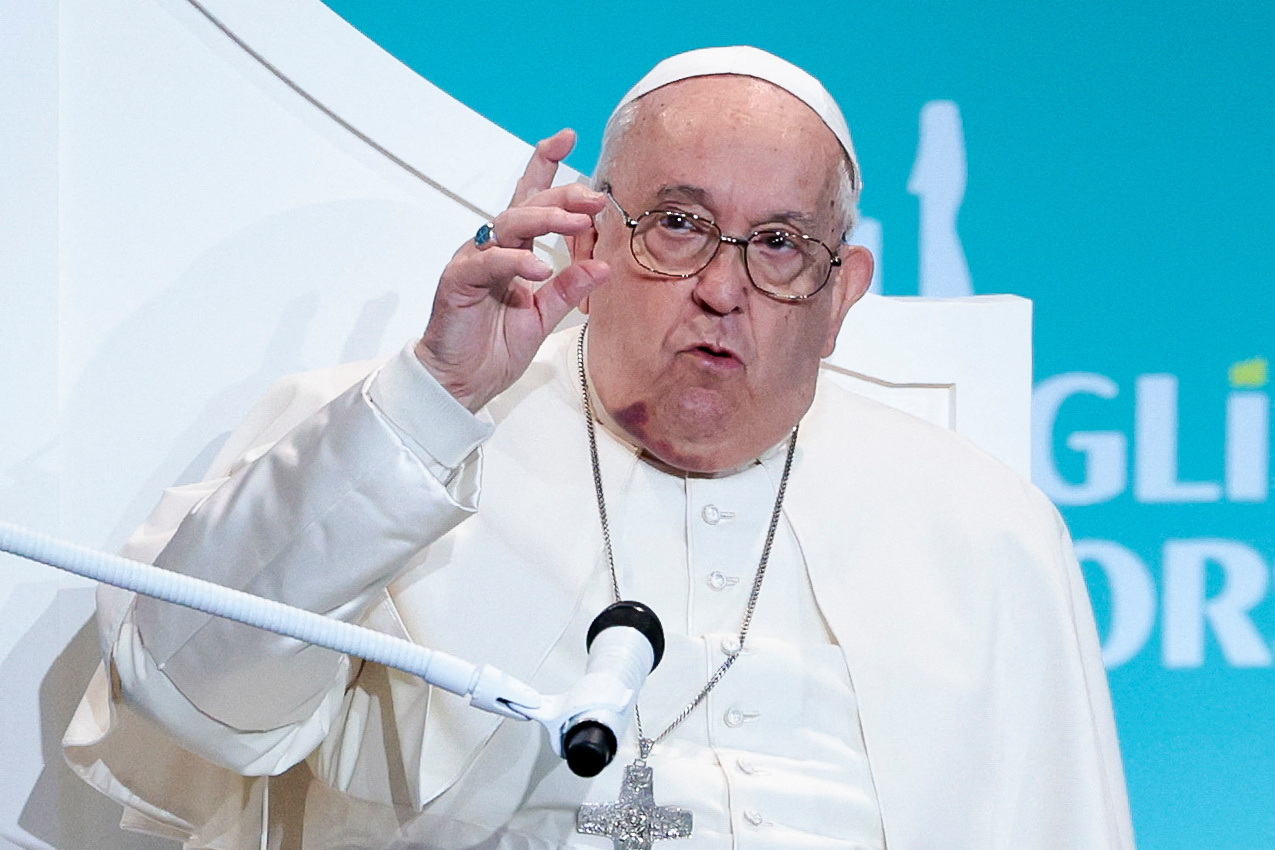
x=707, y=372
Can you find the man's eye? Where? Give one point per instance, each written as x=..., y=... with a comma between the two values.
x=777, y=242
x=676, y=222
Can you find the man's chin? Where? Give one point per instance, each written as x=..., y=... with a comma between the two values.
x=692, y=464
x=696, y=430
x=711, y=449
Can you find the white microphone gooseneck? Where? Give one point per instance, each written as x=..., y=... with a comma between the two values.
x=625, y=643
x=487, y=687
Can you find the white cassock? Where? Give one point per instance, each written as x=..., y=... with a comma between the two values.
x=922, y=672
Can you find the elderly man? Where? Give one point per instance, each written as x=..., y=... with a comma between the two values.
x=877, y=636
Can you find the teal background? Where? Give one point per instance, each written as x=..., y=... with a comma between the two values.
x=1120, y=175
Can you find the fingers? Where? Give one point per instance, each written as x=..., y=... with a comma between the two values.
x=565, y=292
x=497, y=267
x=540, y=171
x=518, y=226
x=565, y=210
x=575, y=197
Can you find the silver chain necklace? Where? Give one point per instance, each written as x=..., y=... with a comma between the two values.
x=634, y=821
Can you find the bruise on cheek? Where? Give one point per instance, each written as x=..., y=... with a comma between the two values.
x=633, y=419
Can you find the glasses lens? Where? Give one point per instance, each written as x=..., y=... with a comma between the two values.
x=674, y=243
x=787, y=263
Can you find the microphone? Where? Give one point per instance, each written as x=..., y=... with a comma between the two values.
x=625, y=643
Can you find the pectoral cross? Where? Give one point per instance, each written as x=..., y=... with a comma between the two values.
x=634, y=821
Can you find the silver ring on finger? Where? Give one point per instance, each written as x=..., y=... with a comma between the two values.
x=486, y=235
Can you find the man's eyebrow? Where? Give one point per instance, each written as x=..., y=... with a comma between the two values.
x=683, y=191
x=803, y=221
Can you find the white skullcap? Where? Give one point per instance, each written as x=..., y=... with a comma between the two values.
x=752, y=62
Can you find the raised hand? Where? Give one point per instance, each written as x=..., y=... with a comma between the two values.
x=496, y=304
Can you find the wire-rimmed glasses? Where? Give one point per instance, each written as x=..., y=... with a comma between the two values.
x=779, y=262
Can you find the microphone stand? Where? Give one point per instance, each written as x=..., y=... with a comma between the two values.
x=583, y=724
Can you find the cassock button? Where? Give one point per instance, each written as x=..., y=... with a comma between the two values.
x=712, y=514
x=730, y=645
x=735, y=717
x=754, y=817
x=746, y=767
x=718, y=580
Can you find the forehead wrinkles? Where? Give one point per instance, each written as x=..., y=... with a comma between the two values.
x=731, y=120
x=727, y=105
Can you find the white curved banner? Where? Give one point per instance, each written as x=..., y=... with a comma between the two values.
x=200, y=199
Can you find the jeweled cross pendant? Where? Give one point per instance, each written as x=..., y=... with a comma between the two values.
x=634, y=821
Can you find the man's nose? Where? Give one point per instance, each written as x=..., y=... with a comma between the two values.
x=723, y=286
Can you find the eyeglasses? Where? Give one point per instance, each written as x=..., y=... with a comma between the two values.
x=779, y=262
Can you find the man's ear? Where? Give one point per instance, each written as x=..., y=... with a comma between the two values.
x=580, y=246
x=850, y=280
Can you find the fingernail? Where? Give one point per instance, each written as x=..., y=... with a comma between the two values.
x=543, y=268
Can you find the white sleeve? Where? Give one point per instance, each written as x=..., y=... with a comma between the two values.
x=324, y=519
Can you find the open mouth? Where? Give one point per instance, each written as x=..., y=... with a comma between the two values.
x=714, y=357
